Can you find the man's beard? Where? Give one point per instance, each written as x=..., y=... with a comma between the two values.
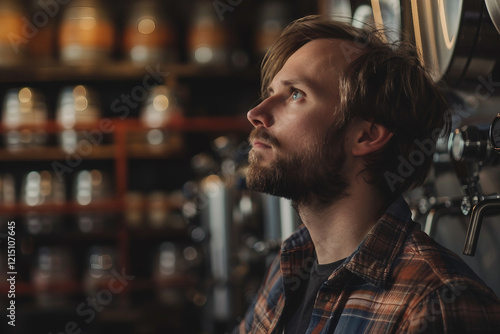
x=315, y=176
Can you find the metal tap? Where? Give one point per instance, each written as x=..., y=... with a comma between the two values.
x=470, y=149
x=487, y=206
x=442, y=208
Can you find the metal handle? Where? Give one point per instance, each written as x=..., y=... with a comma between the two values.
x=479, y=211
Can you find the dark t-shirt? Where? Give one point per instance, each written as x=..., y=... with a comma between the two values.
x=300, y=310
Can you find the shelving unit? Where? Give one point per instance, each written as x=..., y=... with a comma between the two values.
x=119, y=70
x=119, y=151
x=214, y=99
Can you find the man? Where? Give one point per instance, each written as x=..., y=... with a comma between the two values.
x=347, y=124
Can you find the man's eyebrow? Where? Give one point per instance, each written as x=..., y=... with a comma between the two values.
x=302, y=81
x=292, y=82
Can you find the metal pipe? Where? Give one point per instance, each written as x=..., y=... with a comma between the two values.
x=479, y=211
x=437, y=212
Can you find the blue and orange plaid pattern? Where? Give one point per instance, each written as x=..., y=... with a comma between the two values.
x=397, y=281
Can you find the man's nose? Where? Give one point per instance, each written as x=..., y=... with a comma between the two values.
x=261, y=115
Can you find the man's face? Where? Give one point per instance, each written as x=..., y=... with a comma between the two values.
x=296, y=152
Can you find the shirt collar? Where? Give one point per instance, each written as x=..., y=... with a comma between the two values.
x=374, y=258
x=375, y=255
x=297, y=253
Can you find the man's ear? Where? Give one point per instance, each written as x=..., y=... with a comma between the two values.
x=369, y=137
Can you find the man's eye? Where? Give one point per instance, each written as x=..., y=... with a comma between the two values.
x=297, y=95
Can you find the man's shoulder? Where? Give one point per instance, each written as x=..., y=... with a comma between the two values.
x=442, y=293
x=433, y=267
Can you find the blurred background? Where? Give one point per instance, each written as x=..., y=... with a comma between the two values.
x=123, y=154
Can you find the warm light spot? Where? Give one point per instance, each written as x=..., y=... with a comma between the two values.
x=213, y=185
x=160, y=103
x=79, y=90
x=81, y=103
x=146, y=26
x=25, y=95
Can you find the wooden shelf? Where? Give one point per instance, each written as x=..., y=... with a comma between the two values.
x=212, y=124
x=173, y=145
x=196, y=124
x=179, y=123
x=101, y=206
x=45, y=153
x=114, y=70
x=172, y=148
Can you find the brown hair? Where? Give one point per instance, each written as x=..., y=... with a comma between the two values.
x=383, y=83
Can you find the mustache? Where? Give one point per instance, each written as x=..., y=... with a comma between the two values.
x=262, y=135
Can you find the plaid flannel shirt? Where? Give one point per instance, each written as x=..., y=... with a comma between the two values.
x=397, y=281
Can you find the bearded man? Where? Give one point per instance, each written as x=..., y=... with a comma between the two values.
x=347, y=124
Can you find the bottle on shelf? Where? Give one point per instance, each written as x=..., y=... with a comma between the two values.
x=24, y=107
x=101, y=273
x=272, y=18
x=160, y=106
x=12, y=35
x=173, y=264
x=77, y=105
x=93, y=187
x=208, y=37
x=41, y=41
x=53, y=277
x=149, y=35
x=7, y=190
x=42, y=188
x=86, y=33
x=134, y=209
x=158, y=210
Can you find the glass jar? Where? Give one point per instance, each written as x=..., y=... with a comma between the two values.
x=53, y=277
x=77, y=105
x=12, y=37
x=273, y=17
x=149, y=36
x=24, y=107
x=208, y=38
x=86, y=33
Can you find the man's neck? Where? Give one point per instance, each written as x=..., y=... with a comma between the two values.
x=338, y=229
